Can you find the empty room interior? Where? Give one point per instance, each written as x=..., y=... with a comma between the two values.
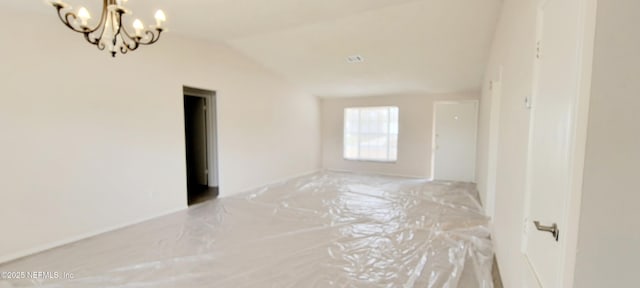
x=319, y=143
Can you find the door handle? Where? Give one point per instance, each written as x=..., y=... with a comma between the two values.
x=553, y=229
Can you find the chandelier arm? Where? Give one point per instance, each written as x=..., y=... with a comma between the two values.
x=103, y=18
x=131, y=42
x=90, y=35
x=67, y=18
x=153, y=37
x=100, y=45
x=93, y=41
x=131, y=46
x=124, y=49
x=71, y=17
x=149, y=38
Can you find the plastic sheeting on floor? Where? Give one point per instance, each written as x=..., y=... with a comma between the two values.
x=323, y=230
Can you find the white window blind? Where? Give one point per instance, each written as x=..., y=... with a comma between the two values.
x=371, y=134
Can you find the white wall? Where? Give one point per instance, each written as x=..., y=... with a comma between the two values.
x=414, y=139
x=89, y=143
x=512, y=50
x=609, y=239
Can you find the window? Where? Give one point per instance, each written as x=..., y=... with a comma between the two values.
x=371, y=134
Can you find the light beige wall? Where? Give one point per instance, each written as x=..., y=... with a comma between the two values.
x=414, y=139
x=90, y=143
x=609, y=238
x=513, y=45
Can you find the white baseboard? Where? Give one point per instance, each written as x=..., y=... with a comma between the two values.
x=274, y=182
x=378, y=173
x=41, y=248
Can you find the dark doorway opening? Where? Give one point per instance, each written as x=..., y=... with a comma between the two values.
x=200, y=140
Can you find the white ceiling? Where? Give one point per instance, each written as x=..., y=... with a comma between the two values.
x=409, y=45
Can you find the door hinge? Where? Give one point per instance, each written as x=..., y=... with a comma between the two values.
x=538, y=49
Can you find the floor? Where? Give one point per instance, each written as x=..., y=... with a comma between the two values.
x=323, y=230
x=200, y=194
x=495, y=271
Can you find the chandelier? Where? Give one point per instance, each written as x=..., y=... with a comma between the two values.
x=110, y=34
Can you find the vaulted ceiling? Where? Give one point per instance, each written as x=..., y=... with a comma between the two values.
x=408, y=46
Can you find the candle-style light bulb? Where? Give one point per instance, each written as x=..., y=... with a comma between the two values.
x=160, y=18
x=84, y=16
x=137, y=24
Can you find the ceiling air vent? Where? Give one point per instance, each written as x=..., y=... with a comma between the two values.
x=355, y=59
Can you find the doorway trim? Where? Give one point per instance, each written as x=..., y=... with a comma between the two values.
x=588, y=17
x=493, y=144
x=212, y=130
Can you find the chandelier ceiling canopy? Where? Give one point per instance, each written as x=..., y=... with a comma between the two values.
x=109, y=33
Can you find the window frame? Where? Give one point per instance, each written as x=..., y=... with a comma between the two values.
x=388, y=134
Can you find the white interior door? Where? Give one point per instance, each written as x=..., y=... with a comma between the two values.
x=455, y=140
x=552, y=138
